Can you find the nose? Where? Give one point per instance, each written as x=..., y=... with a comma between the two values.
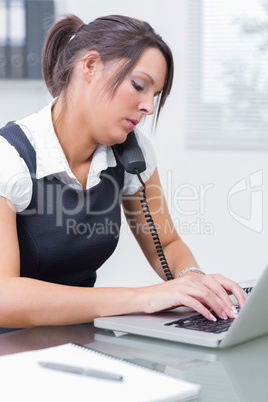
x=147, y=106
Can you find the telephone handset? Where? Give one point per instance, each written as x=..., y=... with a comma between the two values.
x=131, y=158
x=130, y=155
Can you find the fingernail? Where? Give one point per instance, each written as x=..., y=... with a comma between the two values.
x=224, y=316
x=213, y=317
x=234, y=313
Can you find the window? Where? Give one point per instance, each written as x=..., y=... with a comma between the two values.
x=227, y=102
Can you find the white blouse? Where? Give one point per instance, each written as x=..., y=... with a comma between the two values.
x=15, y=180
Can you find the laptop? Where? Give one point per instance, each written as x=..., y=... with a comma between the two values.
x=182, y=324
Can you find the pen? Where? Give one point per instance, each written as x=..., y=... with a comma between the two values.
x=81, y=371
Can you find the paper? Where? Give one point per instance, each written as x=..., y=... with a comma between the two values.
x=22, y=377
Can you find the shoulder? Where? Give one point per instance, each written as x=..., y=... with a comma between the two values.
x=15, y=180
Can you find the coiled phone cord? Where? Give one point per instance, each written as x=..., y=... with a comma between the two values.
x=153, y=230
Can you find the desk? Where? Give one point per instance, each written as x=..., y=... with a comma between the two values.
x=238, y=374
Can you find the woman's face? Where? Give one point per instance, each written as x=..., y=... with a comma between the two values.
x=111, y=118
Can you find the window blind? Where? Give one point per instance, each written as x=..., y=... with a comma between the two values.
x=227, y=85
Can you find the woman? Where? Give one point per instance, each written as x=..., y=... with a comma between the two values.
x=59, y=177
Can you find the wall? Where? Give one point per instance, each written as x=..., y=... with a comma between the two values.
x=219, y=242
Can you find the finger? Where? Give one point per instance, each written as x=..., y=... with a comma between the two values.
x=221, y=303
x=196, y=305
x=208, y=297
x=232, y=288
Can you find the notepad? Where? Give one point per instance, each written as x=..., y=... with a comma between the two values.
x=23, y=378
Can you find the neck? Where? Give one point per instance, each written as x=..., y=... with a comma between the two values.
x=74, y=139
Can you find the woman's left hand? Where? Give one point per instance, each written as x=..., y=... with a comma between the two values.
x=221, y=287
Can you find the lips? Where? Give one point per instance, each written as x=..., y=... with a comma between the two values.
x=132, y=123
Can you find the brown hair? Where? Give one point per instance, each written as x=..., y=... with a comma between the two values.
x=114, y=37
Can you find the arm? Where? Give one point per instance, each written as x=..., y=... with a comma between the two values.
x=205, y=289
x=177, y=253
x=26, y=302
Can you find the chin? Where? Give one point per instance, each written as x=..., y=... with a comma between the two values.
x=120, y=139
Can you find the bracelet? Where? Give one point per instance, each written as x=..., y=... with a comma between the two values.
x=199, y=270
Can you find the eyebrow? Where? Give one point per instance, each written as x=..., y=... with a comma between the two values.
x=148, y=75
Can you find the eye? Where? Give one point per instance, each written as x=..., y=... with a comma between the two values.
x=137, y=86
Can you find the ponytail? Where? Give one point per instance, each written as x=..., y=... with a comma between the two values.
x=55, y=63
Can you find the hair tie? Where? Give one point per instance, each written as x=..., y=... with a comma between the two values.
x=76, y=32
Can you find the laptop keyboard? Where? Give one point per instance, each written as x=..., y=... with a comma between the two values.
x=199, y=323
x=248, y=290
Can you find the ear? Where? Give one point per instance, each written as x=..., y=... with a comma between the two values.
x=90, y=65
